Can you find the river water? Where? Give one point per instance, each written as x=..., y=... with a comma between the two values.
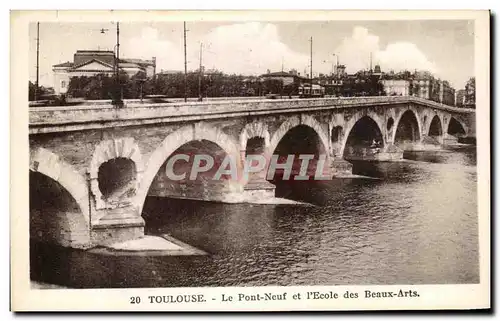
x=411, y=222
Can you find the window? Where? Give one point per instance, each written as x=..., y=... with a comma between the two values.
x=63, y=84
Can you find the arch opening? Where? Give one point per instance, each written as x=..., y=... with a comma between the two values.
x=255, y=146
x=435, y=131
x=408, y=129
x=365, y=138
x=435, y=134
x=455, y=128
x=117, y=178
x=191, y=172
x=300, y=140
x=55, y=216
x=179, y=182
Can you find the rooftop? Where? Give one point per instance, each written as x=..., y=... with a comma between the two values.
x=95, y=52
x=278, y=74
x=64, y=64
x=137, y=61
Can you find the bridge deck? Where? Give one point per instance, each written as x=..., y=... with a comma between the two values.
x=95, y=116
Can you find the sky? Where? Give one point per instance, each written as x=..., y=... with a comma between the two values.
x=444, y=47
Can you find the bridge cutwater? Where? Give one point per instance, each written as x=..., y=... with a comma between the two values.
x=92, y=166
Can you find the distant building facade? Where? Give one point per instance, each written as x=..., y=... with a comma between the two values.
x=93, y=62
x=446, y=93
x=287, y=78
x=425, y=86
x=396, y=87
x=470, y=93
x=460, y=98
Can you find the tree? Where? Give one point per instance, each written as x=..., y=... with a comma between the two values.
x=273, y=86
x=42, y=91
x=291, y=89
x=31, y=92
x=470, y=93
x=101, y=86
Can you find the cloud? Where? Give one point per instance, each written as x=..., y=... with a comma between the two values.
x=354, y=52
x=404, y=55
x=149, y=44
x=253, y=47
x=243, y=48
x=249, y=48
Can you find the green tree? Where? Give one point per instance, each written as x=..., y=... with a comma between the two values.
x=42, y=93
x=31, y=92
x=273, y=86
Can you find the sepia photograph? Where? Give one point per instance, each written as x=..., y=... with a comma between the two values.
x=251, y=153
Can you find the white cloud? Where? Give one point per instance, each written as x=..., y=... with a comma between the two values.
x=404, y=55
x=254, y=47
x=249, y=48
x=355, y=50
x=169, y=55
x=244, y=48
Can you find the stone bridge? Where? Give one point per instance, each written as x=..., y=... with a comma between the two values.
x=92, y=166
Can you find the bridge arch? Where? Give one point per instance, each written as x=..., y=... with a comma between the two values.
x=376, y=126
x=362, y=135
x=175, y=140
x=115, y=171
x=408, y=127
x=435, y=128
x=252, y=130
x=294, y=122
x=57, y=186
x=49, y=164
x=456, y=127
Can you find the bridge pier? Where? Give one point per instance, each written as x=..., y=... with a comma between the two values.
x=384, y=154
x=117, y=225
x=259, y=188
x=257, y=185
x=340, y=167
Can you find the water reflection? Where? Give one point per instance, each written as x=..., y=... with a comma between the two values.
x=415, y=224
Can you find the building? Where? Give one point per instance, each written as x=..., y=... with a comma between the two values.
x=425, y=86
x=470, y=93
x=396, y=87
x=92, y=62
x=433, y=89
x=339, y=71
x=287, y=78
x=460, y=98
x=446, y=93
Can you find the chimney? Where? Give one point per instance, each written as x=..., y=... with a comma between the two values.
x=154, y=66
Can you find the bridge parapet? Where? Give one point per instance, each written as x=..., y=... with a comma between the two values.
x=107, y=116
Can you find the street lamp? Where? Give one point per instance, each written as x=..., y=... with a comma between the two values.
x=117, y=98
x=117, y=93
